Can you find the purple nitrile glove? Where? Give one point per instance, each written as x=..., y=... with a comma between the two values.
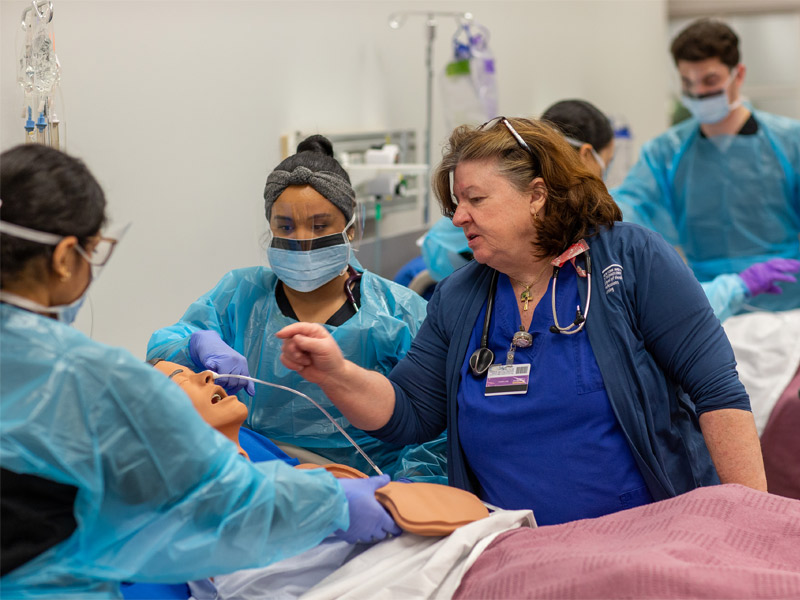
x=762, y=277
x=208, y=350
x=369, y=521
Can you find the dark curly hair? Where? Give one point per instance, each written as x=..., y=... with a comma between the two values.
x=706, y=38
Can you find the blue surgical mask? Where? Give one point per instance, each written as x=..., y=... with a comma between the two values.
x=711, y=108
x=307, y=270
x=65, y=313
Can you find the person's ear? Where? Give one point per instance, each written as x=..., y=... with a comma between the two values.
x=585, y=152
x=740, y=73
x=538, y=193
x=62, y=259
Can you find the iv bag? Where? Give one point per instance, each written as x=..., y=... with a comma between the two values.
x=469, y=89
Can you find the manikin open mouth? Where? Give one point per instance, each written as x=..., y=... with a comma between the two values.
x=215, y=398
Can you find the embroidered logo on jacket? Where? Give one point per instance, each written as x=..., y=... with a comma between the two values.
x=612, y=277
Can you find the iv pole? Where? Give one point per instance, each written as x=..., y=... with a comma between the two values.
x=396, y=20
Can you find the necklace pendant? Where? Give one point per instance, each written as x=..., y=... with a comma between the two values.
x=525, y=296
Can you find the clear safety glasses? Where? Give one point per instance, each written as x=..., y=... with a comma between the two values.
x=521, y=142
x=275, y=239
x=101, y=249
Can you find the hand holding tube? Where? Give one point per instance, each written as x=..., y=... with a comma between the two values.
x=207, y=349
x=365, y=398
x=369, y=521
x=762, y=278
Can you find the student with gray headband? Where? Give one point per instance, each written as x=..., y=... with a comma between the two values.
x=310, y=208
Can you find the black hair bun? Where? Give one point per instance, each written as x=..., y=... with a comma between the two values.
x=316, y=143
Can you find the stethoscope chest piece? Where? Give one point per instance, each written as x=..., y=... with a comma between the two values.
x=480, y=361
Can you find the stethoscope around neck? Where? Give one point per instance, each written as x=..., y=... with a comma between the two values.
x=483, y=357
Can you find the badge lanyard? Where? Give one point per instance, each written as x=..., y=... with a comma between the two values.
x=509, y=379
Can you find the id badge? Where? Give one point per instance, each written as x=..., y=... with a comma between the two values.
x=507, y=379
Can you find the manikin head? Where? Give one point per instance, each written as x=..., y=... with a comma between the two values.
x=223, y=412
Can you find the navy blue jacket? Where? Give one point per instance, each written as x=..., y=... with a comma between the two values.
x=652, y=331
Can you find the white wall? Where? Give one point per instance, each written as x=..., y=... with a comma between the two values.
x=177, y=107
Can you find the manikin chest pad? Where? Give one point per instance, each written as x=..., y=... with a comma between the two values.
x=428, y=509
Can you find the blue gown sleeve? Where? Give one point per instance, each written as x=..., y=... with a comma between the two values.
x=209, y=312
x=681, y=332
x=425, y=462
x=726, y=294
x=166, y=498
x=644, y=196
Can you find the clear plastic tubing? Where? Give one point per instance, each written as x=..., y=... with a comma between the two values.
x=302, y=395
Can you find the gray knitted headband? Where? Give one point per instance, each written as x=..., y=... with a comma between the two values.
x=332, y=186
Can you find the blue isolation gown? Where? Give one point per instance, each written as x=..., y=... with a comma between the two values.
x=727, y=201
x=160, y=496
x=243, y=309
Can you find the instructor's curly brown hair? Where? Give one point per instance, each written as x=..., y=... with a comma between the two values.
x=577, y=203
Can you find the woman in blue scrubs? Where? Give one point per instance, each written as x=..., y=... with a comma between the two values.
x=576, y=362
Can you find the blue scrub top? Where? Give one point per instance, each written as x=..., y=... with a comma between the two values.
x=558, y=449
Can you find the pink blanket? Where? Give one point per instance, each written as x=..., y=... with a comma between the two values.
x=724, y=541
x=780, y=443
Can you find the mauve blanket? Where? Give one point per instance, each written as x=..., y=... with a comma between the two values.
x=725, y=541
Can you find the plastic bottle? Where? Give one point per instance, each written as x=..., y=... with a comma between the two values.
x=623, y=152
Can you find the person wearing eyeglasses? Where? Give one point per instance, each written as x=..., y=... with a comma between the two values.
x=723, y=185
x=108, y=473
x=575, y=362
x=588, y=130
x=310, y=208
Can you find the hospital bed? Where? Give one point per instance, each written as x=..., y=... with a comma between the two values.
x=767, y=350
x=723, y=541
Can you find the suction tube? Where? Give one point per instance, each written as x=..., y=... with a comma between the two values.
x=302, y=395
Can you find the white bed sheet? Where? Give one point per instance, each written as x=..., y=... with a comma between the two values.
x=767, y=350
x=412, y=566
x=408, y=566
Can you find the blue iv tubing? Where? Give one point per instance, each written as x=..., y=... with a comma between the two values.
x=302, y=395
